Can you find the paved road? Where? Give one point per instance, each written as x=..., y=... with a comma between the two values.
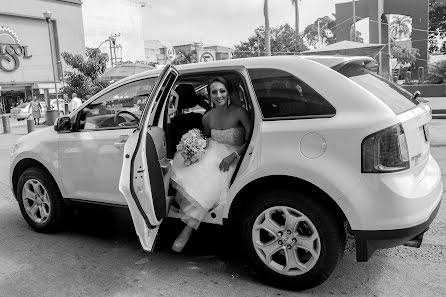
x=99, y=255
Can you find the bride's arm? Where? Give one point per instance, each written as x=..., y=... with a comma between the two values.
x=206, y=128
x=243, y=117
x=246, y=123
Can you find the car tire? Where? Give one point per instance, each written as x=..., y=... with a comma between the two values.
x=297, y=261
x=40, y=201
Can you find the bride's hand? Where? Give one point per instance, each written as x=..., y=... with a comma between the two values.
x=226, y=162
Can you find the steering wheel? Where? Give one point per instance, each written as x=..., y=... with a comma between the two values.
x=127, y=112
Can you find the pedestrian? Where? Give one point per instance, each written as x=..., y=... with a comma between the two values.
x=36, y=110
x=75, y=102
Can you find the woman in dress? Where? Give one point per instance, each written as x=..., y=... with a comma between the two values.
x=36, y=110
x=204, y=184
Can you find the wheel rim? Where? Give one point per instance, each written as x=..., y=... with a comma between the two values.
x=36, y=201
x=286, y=240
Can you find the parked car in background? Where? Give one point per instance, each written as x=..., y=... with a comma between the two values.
x=22, y=111
x=334, y=148
x=53, y=103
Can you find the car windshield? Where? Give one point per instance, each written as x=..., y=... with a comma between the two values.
x=23, y=105
x=394, y=96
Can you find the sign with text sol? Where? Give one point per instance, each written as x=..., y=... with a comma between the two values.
x=11, y=50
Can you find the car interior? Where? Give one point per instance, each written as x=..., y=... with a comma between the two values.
x=286, y=95
x=192, y=102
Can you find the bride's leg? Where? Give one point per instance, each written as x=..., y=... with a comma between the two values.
x=182, y=239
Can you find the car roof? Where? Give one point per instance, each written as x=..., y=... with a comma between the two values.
x=272, y=61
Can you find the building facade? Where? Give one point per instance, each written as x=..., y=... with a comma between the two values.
x=377, y=12
x=26, y=59
x=115, y=26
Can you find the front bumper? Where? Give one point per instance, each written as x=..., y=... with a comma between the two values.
x=367, y=242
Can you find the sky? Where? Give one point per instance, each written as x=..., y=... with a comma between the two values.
x=224, y=22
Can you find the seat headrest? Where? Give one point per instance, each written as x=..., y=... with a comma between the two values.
x=188, y=97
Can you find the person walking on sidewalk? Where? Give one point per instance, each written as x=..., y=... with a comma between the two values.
x=36, y=110
x=75, y=102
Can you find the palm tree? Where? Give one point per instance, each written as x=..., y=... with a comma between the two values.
x=296, y=20
x=267, y=30
x=400, y=27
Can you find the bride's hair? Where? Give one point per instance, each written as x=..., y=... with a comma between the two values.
x=222, y=80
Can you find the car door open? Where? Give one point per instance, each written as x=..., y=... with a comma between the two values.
x=143, y=182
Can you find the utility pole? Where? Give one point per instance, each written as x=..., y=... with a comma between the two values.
x=258, y=46
x=319, y=41
x=267, y=33
x=111, y=52
x=354, y=21
x=112, y=44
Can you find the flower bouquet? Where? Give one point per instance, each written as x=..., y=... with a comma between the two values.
x=191, y=146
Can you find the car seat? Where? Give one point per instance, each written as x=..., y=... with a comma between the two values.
x=184, y=122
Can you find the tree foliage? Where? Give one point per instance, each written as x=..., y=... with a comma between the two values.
x=437, y=25
x=328, y=33
x=400, y=27
x=282, y=43
x=84, y=80
x=185, y=58
x=437, y=72
x=404, y=55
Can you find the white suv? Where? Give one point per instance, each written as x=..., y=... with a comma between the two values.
x=332, y=145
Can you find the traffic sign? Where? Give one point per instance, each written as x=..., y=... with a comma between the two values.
x=207, y=57
x=171, y=54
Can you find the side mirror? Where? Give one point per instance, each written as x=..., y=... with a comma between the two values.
x=63, y=124
x=416, y=94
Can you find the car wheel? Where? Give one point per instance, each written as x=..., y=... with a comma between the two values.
x=292, y=241
x=40, y=201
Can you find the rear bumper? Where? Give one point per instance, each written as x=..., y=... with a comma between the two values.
x=367, y=242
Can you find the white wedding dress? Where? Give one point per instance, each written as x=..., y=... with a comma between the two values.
x=201, y=186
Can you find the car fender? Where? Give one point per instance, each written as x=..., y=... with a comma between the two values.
x=331, y=189
x=41, y=146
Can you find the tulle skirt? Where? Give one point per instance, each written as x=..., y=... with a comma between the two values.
x=201, y=186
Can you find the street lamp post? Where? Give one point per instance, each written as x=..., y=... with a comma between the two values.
x=50, y=115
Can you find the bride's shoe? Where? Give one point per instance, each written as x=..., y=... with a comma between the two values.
x=182, y=239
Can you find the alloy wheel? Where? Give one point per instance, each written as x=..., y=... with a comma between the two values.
x=36, y=201
x=286, y=240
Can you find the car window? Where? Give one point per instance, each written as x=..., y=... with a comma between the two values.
x=394, y=96
x=120, y=108
x=282, y=95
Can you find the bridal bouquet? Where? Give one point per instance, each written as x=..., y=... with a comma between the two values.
x=191, y=146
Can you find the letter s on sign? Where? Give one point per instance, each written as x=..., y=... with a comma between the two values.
x=6, y=55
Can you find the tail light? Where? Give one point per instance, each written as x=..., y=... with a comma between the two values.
x=385, y=151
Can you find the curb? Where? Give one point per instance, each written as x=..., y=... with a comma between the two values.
x=437, y=144
x=438, y=111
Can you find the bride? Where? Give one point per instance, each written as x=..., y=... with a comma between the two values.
x=204, y=184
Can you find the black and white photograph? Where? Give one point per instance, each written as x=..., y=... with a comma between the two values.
x=222, y=148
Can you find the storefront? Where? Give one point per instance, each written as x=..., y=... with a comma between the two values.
x=26, y=58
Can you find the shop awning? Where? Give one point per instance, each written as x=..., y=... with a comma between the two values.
x=49, y=86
